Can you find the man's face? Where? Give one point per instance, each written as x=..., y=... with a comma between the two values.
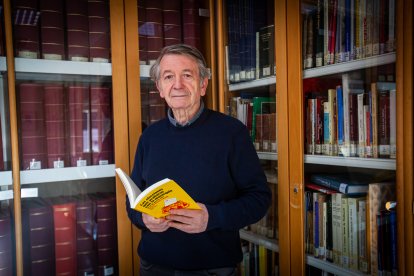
x=180, y=83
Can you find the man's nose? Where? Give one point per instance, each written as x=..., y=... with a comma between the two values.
x=178, y=83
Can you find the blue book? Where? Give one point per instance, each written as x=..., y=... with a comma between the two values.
x=393, y=237
x=340, y=120
x=357, y=185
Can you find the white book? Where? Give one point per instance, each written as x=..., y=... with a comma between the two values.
x=353, y=206
x=337, y=227
x=345, y=233
x=362, y=236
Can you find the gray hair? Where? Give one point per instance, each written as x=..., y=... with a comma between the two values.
x=180, y=49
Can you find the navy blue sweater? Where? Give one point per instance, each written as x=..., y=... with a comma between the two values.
x=214, y=160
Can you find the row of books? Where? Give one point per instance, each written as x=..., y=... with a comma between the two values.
x=250, y=49
x=259, y=116
x=2, y=166
x=63, y=236
x=76, y=30
x=257, y=260
x=343, y=30
x=153, y=107
x=354, y=232
x=63, y=126
x=167, y=22
x=352, y=121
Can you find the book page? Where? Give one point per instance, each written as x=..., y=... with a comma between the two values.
x=131, y=188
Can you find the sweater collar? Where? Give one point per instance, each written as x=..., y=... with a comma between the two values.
x=177, y=124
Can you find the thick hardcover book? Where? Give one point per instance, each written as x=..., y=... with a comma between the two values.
x=350, y=185
x=32, y=126
x=64, y=217
x=191, y=23
x=77, y=30
x=157, y=199
x=106, y=233
x=99, y=31
x=26, y=28
x=55, y=120
x=38, y=242
x=378, y=195
x=1, y=149
x=261, y=105
x=85, y=243
x=337, y=227
x=6, y=242
x=155, y=34
x=101, y=126
x=143, y=32
x=79, y=125
x=353, y=210
x=172, y=25
x=266, y=51
x=157, y=108
x=52, y=33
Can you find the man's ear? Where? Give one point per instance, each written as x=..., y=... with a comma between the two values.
x=203, y=86
x=159, y=90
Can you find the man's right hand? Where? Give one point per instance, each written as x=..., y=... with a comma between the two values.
x=155, y=224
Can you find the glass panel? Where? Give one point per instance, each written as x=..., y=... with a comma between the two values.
x=251, y=98
x=65, y=124
x=349, y=94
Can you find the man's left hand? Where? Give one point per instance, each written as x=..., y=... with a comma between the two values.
x=189, y=220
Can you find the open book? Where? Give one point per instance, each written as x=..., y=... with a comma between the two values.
x=157, y=199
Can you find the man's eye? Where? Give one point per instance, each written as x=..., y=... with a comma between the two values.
x=187, y=76
x=168, y=77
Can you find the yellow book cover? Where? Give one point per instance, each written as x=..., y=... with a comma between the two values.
x=157, y=199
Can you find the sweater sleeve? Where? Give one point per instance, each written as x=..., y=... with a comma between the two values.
x=253, y=194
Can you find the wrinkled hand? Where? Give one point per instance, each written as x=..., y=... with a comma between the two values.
x=188, y=220
x=155, y=224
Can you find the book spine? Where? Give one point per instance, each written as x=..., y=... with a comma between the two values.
x=337, y=228
x=172, y=25
x=353, y=232
x=345, y=233
x=329, y=229
x=393, y=241
x=326, y=124
x=384, y=123
x=143, y=32
x=99, y=30
x=332, y=146
x=6, y=247
x=316, y=225
x=374, y=119
x=340, y=121
x=362, y=237
x=393, y=124
x=155, y=41
x=52, y=32
x=26, y=29
x=361, y=129
x=55, y=120
x=191, y=23
x=32, y=126
x=77, y=30
x=2, y=160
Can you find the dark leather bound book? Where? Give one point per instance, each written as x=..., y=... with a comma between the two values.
x=55, y=110
x=38, y=242
x=101, y=126
x=171, y=16
x=52, y=34
x=157, y=106
x=106, y=230
x=142, y=32
x=32, y=126
x=191, y=22
x=77, y=30
x=154, y=29
x=79, y=125
x=6, y=243
x=99, y=31
x=85, y=244
x=26, y=28
x=64, y=216
x=1, y=149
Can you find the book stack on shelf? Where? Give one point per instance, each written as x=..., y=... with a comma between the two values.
x=1, y=149
x=250, y=49
x=347, y=223
x=341, y=31
x=6, y=241
x=258, y=260
x=259, y=116
x=167, y=22
x=352, y=119
x=153, y=107
x=62, y=30
x=65, y=126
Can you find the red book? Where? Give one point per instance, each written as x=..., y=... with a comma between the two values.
x=85, y=245
x=101, y=126
x=26, y=28
x=384, y=123
x=6, y=247
x=154, y=29
x=32, y=126
x=38, y=243
x=171, y=15
x=142, y=31
x=106, y=241
x=64, y=216
x=77, y=31
x=79, y=125
x=99, y=30
x=55, y=111
x=52, y=32
x=191, y=22
x=156, y=107
x=1, y=150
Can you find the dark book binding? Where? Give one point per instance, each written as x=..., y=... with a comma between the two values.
x=26, y=28
x=55, y=120
x=99, y=30
x=154, y=29
x=191, y=22
x=101, y=126
x=172, y=25
x=77, y=31
x=156, y=106
x=38, y=243
x=32, y=126
x=6, y=242
x=142, y=32
x=52, y=34
x=1, y=149
x=79, y=125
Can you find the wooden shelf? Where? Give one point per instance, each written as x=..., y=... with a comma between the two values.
x=356, y=162
x=6, y=178
x=330, y=267
x=343, y=67
x=267, y=155
x=252, y=84
x=259, y=240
